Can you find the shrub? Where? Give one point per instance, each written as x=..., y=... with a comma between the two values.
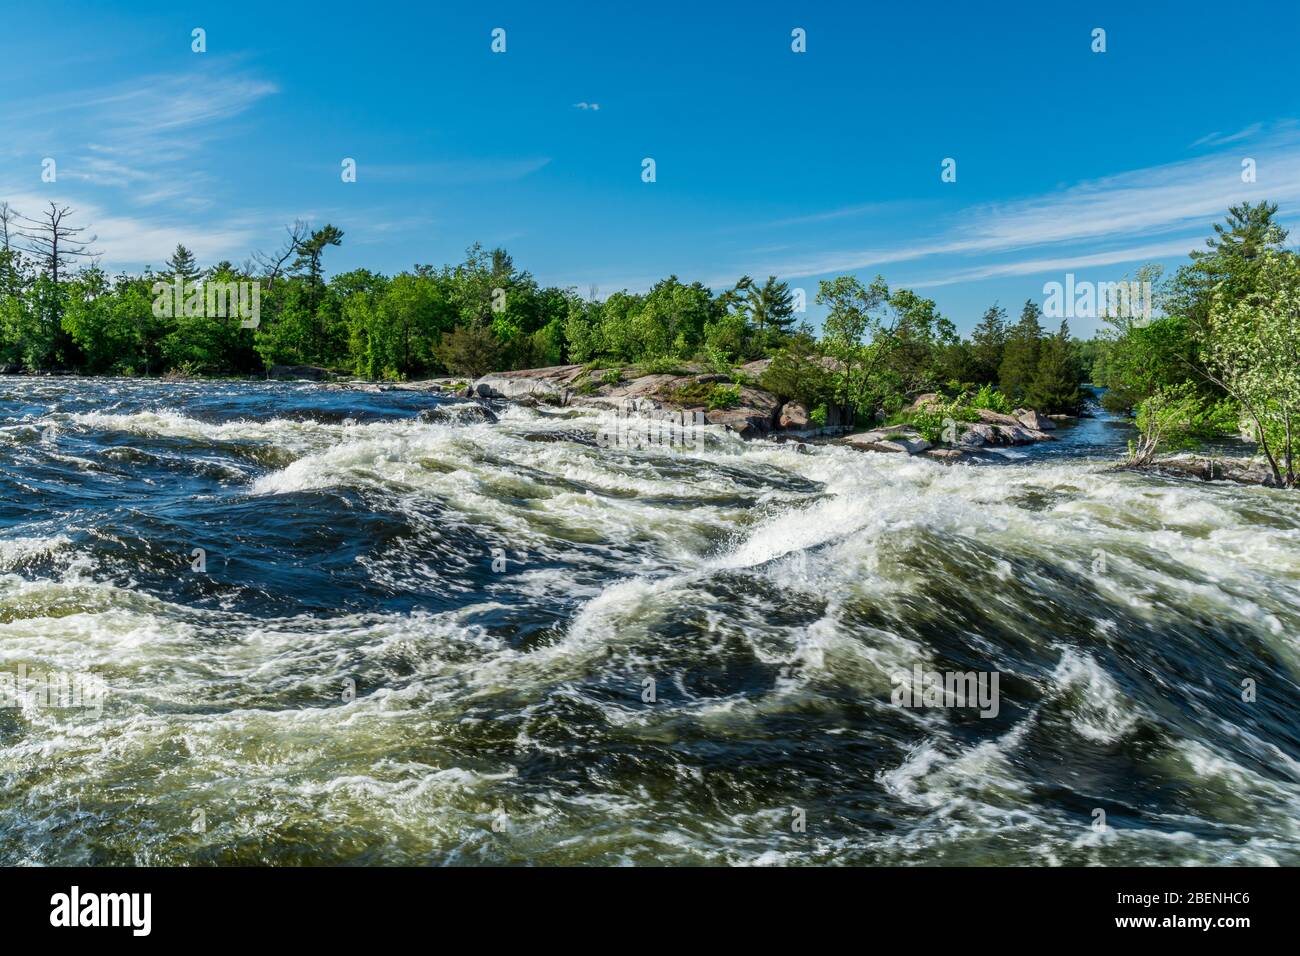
x=799, y=375
x=988, y=397
x=724, y=396
x=662, y=365
x=470, y=350
x=933, y=421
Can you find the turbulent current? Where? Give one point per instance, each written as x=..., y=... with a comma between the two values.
x=323, y=629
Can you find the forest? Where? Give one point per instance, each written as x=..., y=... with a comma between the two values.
x=1218, y=359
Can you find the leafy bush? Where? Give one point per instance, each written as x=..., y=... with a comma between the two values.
x=1178, y=417
x=930, y=422
x=933, y=421
x=716, y=360
x=470, y=350
x=988, y=397
x=724, y=396
x=662, y=365
x=799, y=375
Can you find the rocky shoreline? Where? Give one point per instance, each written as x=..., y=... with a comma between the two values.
x=756, y=413
x=750, y=412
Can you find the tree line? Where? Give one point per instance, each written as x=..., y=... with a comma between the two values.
x=1219, y=359
x=60, y=310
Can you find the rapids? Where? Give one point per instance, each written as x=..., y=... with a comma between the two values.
x=430, y=643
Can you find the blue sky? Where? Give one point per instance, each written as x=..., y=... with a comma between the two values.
x=802, y=165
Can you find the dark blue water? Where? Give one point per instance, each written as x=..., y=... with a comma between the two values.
x=457, y=641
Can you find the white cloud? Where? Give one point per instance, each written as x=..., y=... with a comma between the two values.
x=1136, y=254
x=1142, y=203
x=130, y=242
x=1218, y=139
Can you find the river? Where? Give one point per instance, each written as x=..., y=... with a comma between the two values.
x=326, y=631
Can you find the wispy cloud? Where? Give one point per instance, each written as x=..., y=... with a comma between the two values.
x=134, y=241
x=127, y=159
x=141, y=121
x=1141, y=204
x=1026, y=267
x=1218, y=139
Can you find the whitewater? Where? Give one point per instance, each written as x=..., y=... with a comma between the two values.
x=454, y=641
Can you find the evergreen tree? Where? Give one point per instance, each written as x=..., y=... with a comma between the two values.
x=1055, y=385
x=181, y=265
x=770, y=307
x=988, y=340
x=1020, y=355
x=1246, y=233
x=309, y=257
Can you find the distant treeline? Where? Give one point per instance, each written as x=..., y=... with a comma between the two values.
x=1221, y=353
x=484, y=314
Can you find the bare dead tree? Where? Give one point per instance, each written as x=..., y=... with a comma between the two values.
x=53, y=242
x=8, y=215
x=273, y=265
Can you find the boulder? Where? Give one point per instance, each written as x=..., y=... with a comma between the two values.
x=458, y=413
x=1242, y=471
x=876, y=435
x=642, y=387
x=912, y=446
x=577, y=438
x=1017, y=435
x=746, y=422
x=924, y=401
x=943, y=454
x=542, y=384
x=887, y=439
x=1032, y=420
x=990, y=417
x=763, y=402
x=793, y=415
x=976, y=436
x=291, y=373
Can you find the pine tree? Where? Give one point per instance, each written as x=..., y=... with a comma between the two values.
x=1247, y=232
x=1055, y=386
x=988, y=340
x=769, y=307
x=182, y=265
x=1020, y=356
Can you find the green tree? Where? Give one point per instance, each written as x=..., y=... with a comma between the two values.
x=1055, y=385
x=1254, y=353
x=769, y=308
x=988, y=340
x=182, y=265
x=1020, y=354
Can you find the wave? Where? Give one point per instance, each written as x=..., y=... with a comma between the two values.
x=449, y=640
